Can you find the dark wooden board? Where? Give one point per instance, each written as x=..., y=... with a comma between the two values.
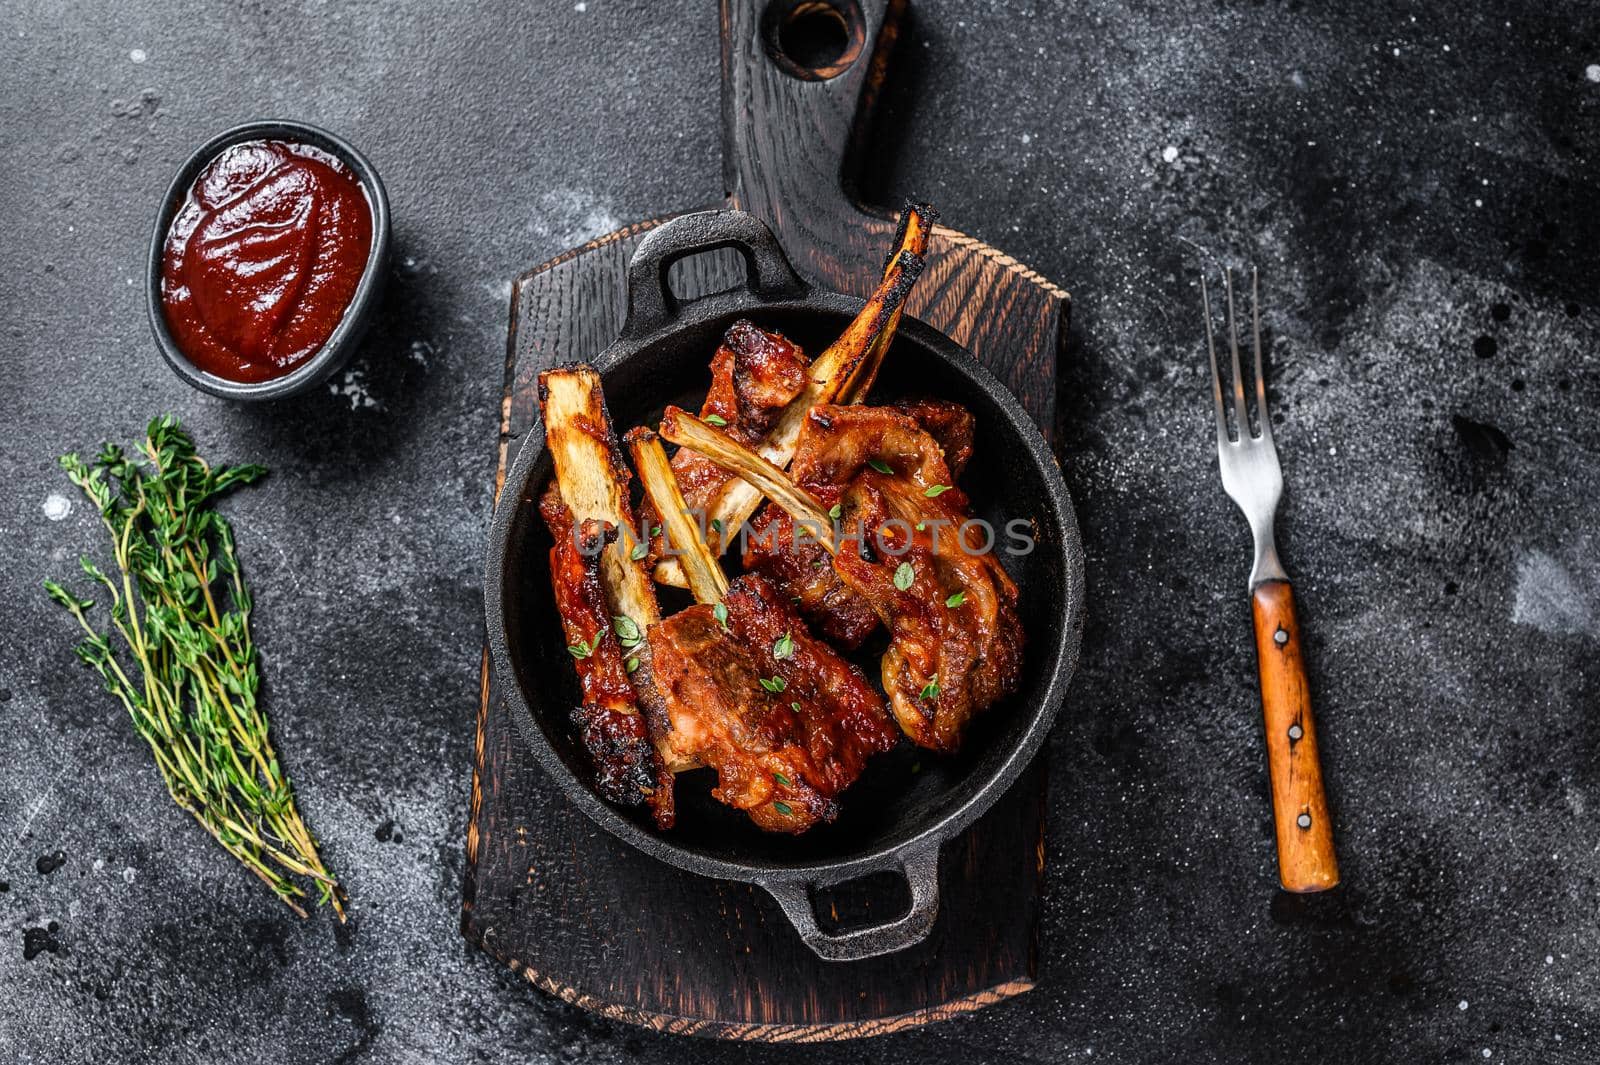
x=557, y=898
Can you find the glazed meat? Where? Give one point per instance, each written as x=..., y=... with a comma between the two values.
x=951, y=610
x=736, y=683
x=933, y=438
x=758, y=372
x=603, y=596
x=950, y=424
x=786, y=723
x=610, y=727
x=754, y=375
x=955, y=639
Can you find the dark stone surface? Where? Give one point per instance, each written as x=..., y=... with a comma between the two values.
x=1416, y=183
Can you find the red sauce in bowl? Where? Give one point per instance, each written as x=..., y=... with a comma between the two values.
x=263, y=258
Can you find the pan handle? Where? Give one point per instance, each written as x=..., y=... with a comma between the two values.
x=921, y=870
x=651, y=304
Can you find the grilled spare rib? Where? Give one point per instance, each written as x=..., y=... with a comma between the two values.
x=786, y=723
x=604, y=597
x=951, y=610
x=754, y=375
x=753, y=372
x=784, y=720
x=626, y=766
x=827, y=457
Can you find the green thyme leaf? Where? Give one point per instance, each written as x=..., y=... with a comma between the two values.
x=627, y=630
x=715, y=419
x=956, y=600
x=631, y=664
x=930, y=690
x=834, y=511
x=781, y=779
x=581, y=649
x=795, y=707
x=936, y=491
x=783, y=647
x=881, y=466
x=904, y=575
x=716, y=523
x=638, y=552
x=773, y=684
x=720, y=612
x=66, y=598
x=782, y=807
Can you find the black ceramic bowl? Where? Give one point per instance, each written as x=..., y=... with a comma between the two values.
x=908, y=802
x=346, y=336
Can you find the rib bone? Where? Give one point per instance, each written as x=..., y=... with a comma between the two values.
x=707, y=582
x=594, y=481
x=842, y=373
x=761, y=476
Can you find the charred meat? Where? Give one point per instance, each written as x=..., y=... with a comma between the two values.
x=604, y=597
x=784, y=720
x=951, y=610
x=754, y=375
x=613, y=732
x=842, y=373
x=826, y=459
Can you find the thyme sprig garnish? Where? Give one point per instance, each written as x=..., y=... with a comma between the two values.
x=186, y=668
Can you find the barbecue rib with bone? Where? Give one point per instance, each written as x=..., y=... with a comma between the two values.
x=951, y=610
x=762, y=387
x=596, y=583
x=798, y=566
x=784, y=720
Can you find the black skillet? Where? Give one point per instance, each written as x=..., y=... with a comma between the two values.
x=908, y=802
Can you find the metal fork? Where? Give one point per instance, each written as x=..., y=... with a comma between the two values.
x=1253, y=479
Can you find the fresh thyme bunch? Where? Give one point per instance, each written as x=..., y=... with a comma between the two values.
x=186, y=670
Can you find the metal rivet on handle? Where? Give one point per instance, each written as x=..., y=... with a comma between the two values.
x=1281, y=637
x=1304, y=820
x=1295, y=732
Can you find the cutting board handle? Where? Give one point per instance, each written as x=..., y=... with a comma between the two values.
x=792, y=137
x=791, y=125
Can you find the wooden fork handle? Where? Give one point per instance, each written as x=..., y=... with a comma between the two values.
x=1306, y=860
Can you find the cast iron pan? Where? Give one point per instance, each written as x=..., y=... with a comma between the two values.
x=909, y=801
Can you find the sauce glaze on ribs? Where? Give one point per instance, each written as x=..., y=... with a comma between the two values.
x=754, y=375
x=588, y=502
x=626, y=766
x=907, y=551
x=784, y=720
x=843, y=373
x=744, y=688
x=825, y=460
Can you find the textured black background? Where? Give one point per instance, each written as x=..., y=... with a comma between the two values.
x=1416, y=182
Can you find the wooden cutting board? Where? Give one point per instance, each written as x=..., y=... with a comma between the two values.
x=560, y=900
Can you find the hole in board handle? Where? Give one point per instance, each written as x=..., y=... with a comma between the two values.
x=813, y=40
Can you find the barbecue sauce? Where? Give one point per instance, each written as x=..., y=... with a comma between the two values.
x=263, y=258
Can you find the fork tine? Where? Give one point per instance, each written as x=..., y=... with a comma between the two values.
x=1261, y=373
x=1216, y=375
x=1241, y=414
